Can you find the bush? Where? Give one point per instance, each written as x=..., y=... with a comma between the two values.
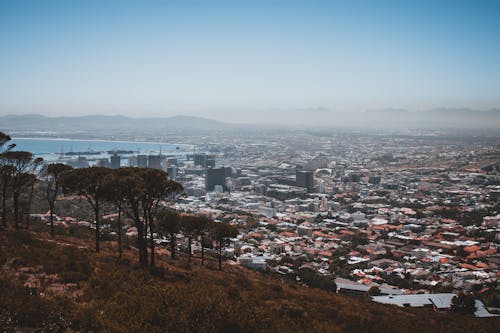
x=73, y=277
x=313, y=279
x=22, y=237
x=463, y=303
x=374, y=291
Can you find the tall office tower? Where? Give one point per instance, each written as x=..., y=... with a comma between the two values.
x=204, y=160
x=115, y=161
x=215, y=177
x=142, y=161
x=172, y=172
x=374, y=180
x=200, y=159
x=80, y=162
x=171, y=161
x=210, y=162
x=102, y=162
x=323, y=206
x=132, y=161
x=305, y=179
x=154, y=162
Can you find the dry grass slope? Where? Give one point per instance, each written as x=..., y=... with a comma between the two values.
x=88, y=292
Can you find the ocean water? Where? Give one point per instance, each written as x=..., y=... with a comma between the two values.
x=50, y=146
x=50, y=149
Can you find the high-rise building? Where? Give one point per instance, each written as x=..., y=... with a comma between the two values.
x=305, y=179
x=200, y=159
x=115, y=161
x=80, y=162
x=142, y=161
x=210, y=162
x=171, y=161
x=204, y=160
x=132, y=161
x=172, y=172
x=374, y=180
x=154, y=161
x=215, y=177
x=102, y=162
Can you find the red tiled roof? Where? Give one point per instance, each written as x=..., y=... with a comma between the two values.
x=472, y=248
x=325, y=253
x=482, y=265
x=469, y=266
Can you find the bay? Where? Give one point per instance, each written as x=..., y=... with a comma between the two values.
x=51, y=149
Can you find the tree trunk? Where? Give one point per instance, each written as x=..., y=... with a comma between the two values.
x=143, y=259
x=15, y=201
x=172, y=245
x=4, y=204
x=145, y=238
x=202, y=250
x=189, y=249
x=152, y=244
x=140, y=242
x=97, y=233
x=140, y=234
x=52, y=220
x=29, y=206
x=119, y=232
x=144, y=248
x=220, y=256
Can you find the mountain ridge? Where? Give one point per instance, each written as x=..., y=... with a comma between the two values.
x=390, y=118
x=89, y=122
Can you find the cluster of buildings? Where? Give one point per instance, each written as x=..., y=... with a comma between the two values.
x=413, y=213
x=409, y=215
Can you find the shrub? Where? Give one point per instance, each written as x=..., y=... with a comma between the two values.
x=463, y=303
x=73, y=277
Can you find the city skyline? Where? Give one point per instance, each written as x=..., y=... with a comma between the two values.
x=233, y=60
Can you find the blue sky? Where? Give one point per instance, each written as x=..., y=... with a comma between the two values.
x=224, y=59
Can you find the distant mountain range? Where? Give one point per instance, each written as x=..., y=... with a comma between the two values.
x=34, y=122
x=440, y=118
x=448, y=111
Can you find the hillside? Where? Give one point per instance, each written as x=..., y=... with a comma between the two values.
x=36, y=122
x=78, y=290
x=256, y=120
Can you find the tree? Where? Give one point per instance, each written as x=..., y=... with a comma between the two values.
x=32, y=182
x=55, y=173
x=4, y=138
x=196, y=227
x=113, y=194
x=25, y=183
x=373, y=291
x=156, y=187
x=17, y=164
x=316, y=280
x=88, y=182
x=5, y=174
x=463, y=303
x=222, y=233
x=141, y=191
x=202, y=227
x=190, y=231
x=169, y=222
x=318, y=218
x=205, y=226
x=125, y=189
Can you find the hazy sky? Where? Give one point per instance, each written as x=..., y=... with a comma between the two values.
x=224, y=59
